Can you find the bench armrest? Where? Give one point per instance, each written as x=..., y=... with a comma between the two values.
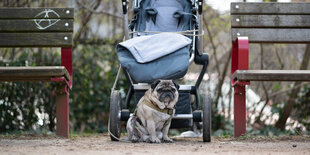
x=240, y=57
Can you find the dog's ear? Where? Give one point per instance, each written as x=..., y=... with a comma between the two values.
x=154, y=84
x=176, y=85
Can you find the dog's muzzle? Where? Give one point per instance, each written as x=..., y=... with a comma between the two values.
x=166, y=96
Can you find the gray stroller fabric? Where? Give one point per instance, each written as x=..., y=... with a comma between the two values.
x=159, y=63
x=172, y=66
x=148, y=48
x=164, y=16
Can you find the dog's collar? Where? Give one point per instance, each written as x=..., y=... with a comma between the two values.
x=153, y=106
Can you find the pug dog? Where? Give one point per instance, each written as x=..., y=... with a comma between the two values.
x=152, y=117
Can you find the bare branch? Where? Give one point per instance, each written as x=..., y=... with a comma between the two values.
x=96, y=41
x=85, y=21
x=263, y=85
x=97, y=12
x=221, y=81
x=288, y=89
x=291, y=101
x=213, y=46
x=279, y=59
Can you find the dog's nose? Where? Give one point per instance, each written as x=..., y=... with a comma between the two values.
x=166, y=96
x=169, y=94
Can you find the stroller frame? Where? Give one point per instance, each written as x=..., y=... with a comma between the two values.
x=201, y=113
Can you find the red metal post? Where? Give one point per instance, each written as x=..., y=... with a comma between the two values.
x=239, y=110
x=62, y=110
x=66, y=60
x=62, y=95
x=240, y=61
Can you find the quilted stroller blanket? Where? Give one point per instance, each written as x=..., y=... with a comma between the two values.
x=171, y=66
x=151, y=47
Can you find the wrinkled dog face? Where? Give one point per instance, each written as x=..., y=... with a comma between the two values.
x=165, y=90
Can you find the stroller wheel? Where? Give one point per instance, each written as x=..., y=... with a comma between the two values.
x=206, y=124
x=114, y=119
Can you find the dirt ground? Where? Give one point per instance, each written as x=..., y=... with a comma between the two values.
x=101, y=144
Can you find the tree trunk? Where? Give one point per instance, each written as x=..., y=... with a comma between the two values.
x=290, y=103
x=221, y=80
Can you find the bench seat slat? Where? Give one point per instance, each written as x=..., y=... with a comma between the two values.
x=31, y=13
x=269, y=35
x=36, y=39
x=36, y=25
x=270, y=8
x=272, y=75
x=270, y=21
x=40, y=73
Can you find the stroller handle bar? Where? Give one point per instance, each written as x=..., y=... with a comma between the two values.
x=186, y=33
x=200, y=2
x=137, y=4
x=125, y=6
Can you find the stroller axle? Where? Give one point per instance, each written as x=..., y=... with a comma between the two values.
x=197, y=115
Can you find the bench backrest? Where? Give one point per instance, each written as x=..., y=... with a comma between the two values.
x=271, y=22
x=36, y=27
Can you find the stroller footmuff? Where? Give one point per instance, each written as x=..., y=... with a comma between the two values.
x=160, y=56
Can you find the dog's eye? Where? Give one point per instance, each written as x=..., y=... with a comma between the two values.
x=159, y=90
x=172, y=89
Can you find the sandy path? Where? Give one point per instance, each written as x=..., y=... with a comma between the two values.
x=101, y=144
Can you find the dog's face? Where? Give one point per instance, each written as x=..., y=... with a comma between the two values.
x=165, y=91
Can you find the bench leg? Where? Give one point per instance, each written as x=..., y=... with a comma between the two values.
x=239, y=61
x=239, y=110
x=62, y=111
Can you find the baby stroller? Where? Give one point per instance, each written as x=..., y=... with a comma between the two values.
x=152, y=19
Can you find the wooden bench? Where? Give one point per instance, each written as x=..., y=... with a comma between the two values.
x=41, y=27
x=263, y=23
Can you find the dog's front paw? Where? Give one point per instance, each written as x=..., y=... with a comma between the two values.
x=167, y=140
x=154, y=140
x=161, y=106
x=134, y=139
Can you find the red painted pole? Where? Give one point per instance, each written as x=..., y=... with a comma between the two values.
x=62, y=111
x=240, y=61
x=239, y=111
x=66, y=60
x=62, y=96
